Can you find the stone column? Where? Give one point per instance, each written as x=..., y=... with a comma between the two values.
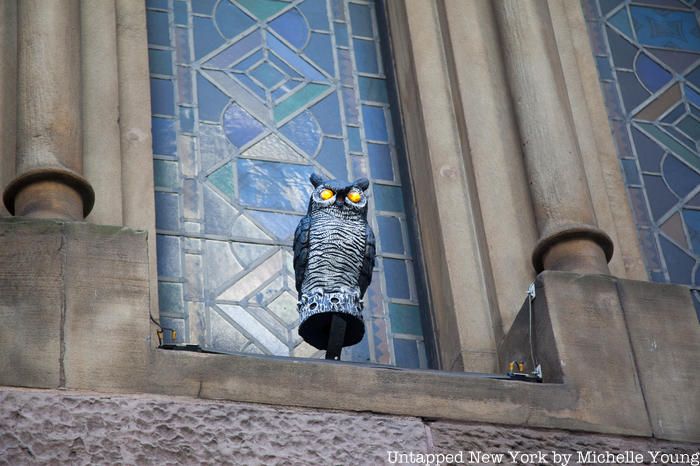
x=569, y=238
x=49, y=182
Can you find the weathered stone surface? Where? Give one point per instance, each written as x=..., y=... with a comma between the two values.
x=86, y=428
x=106, y=319
x=453, y=437
x=665, y=336
x=73, y=305
x=31, y=302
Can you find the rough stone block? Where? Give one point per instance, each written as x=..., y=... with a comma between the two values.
x=74, y=305
x=107, y=301
x=48, y=426
x=32, y=258
x=665, y=335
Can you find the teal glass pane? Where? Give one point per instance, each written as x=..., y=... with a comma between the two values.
x=648, y=58
x=249, y=97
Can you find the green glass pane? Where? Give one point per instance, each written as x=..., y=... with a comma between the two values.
x=388, y=198
x=170, y=300
x=222, y=178
x=671, y=144
x=298, y=100
x=405, y=319
x=165, y=174
x=263, y=9
x=373, y=89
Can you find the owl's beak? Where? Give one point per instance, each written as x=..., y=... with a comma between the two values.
x=340, y=199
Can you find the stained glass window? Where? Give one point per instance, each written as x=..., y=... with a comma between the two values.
x=249, y=97
x=648, y=57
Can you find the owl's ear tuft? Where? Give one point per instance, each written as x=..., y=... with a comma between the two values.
x=316, y=179
x=362, y=183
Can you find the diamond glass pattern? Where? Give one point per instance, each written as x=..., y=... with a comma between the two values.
x=249, y=98
x=648, y=57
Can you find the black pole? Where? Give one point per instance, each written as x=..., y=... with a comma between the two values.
x=336, y=337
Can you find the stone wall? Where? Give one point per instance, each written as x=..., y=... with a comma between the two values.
x=71, y=427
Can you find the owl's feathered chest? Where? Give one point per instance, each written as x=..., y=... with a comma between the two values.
x=336, y=251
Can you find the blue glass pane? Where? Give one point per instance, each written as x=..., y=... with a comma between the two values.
x=680, y=265
x=366, y=56
x=283, y=66
x=320, y=51
x=388, y=198
x=375, y=123
x=251, y=60
x=186, y=119
x=254, y=87
x=240, y=126
x=263, y=9
x=660, y=198
x=180, y=13
x=691, y=127
x=158, y=28
x=361, y=20
x=203, y=6
x=163, y=95
x=219, y=215
x=629, y=168
x=604, y=70
x=341, y=34
x=623, y=52
x=360, y=167
x=396, y=278
x=231, y=19
x=692, y=96
x=160, y=62
x=206, y=37
x=632, y=91
x=338, y=9
x=666, y=28
x=680, y=178
x=606, y=6
x=232, y=54
x=674, y=114
x=164, y=138
x=168, y=256
x=406, y=352
x=296, y=61
x=281, y=226
x=292, y=27
x=267, y=75
x=327, y=113
x=182, y=46
x=274, y=185
x=345, y=68
x=354, y=139
x=650, y=73
x=692, y=223
x=332, y=157
x=648, y=152
x=350, y=105
x=184, y=85
x=694, y=76
x=390, y=236
x=304, y=132
x=211, y=100
x=621, y=21
x=677, y=61
x=157, y=4
x=167, y=211
x=315, y=13
x=380, y=161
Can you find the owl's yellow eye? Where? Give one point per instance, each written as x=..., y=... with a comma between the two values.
x=354, y=197
x=326, y=194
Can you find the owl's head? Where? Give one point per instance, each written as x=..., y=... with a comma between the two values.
x=339, y=197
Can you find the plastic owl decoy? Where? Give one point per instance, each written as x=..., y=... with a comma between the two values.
x=334, y=251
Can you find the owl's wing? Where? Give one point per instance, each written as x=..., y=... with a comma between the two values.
x=368, y=262
x=301, y=250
